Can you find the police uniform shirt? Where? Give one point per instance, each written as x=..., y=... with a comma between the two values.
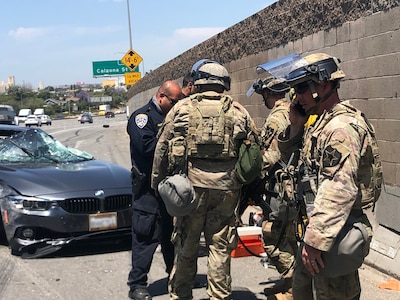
x=143, y=126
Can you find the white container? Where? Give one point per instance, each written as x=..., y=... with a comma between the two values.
x=249, y=232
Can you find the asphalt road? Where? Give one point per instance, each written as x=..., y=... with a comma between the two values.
x=99, y=271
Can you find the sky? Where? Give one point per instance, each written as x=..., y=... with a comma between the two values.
x=56, y=41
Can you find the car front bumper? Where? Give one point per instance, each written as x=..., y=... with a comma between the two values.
x=34, y=233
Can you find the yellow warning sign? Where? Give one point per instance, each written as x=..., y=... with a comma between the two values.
x=131, y=59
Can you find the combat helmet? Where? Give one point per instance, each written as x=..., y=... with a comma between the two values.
x=207, y=71
x=316, y=67
x=274, y=85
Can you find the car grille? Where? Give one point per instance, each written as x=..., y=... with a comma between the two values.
x=95, y=205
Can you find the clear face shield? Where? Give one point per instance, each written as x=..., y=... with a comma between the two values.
x=277, y=68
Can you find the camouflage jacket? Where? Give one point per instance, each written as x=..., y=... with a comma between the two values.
x=333, y=147
x=276, y=123
x=278, y=150
x=202, y=172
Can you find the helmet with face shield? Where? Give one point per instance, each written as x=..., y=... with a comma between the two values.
x=274, y=75
x=316, y=67
x=274, y=85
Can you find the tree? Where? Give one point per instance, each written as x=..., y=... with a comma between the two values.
x=83, y=96
x=44, y=94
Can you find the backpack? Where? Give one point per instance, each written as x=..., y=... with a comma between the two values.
x=250, y=162
x=210, y=127
x=370, y=174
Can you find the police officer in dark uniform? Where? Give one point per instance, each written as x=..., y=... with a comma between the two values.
x=151, y=223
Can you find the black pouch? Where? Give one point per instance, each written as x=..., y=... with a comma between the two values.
x=138, y=180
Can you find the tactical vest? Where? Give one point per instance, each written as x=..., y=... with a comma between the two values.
x=369, y=175
x=211, y=125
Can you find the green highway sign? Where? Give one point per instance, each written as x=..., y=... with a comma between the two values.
x=110, y=68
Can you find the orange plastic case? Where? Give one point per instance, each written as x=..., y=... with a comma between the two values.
x=251, y=237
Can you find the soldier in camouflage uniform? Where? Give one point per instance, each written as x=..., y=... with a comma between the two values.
x=211, y=127
x=333, y=155
x=280, y=157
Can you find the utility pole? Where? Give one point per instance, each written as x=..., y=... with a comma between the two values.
x=129, y=24
x=130, y=30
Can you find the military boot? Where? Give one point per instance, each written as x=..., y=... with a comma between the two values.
x=280, y=286
x=281, y=296
x=139, y=294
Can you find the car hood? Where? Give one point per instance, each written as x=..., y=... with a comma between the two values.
x=60, y=179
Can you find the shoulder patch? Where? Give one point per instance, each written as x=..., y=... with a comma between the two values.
x=141, y=120
x=269, y=132
x=331, y=157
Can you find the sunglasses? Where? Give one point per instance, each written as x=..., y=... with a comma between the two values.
x=173, y=101
x=301, y=88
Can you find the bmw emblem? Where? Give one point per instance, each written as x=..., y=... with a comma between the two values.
x=99, y=193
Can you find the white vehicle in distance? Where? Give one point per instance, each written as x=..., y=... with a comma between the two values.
x=33, y=120
x=39, y=111
x=23, y=114
x=45, y=119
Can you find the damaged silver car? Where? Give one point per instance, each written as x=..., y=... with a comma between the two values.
x=52, y=195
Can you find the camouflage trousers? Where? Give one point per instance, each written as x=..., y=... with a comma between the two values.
x=284, y=255
x=215, y=216
x=307, y=287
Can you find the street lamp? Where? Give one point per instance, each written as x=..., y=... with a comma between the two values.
x=130, y=31
x=129, y=24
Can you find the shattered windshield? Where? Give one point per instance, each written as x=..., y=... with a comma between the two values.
x=36, y=146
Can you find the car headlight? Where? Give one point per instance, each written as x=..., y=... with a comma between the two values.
x=5, y=190
x=30, y=203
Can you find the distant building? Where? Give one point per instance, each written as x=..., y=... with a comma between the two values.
x=118, y=82
x=52, y=101
x=3, y=87
x=11, y=81
x=73, y=99
x=109, y=82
